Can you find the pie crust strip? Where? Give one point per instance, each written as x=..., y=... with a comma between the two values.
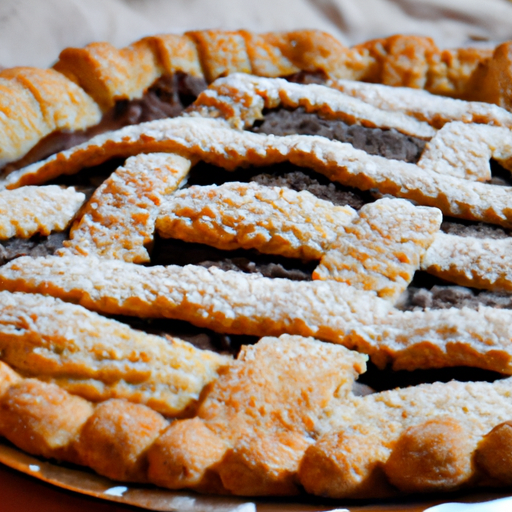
x=360, y=249
x=30, y=210
x=119, y=219
x=214, y=142
x=238, y=303
x=459, y=149
x=247, y=215
x=431, y=108
x=35, y=103
x=240, y=99
x=377, y=249
x=469, y=261
x=98, y=358
x=382, y=247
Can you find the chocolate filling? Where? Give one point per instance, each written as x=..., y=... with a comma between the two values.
x=35, y=246
x=176, y=252
x=452, y=296
x=460, y=227
x=375, y=141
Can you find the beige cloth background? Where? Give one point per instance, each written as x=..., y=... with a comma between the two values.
x=33, y=32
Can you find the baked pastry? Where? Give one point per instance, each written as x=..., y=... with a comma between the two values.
x=98, y=88
x=183, y=234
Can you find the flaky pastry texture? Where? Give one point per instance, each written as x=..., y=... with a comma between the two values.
x=98, y=358
x=282, y=416
x=119, y=220
x=270, y=219
x=90, y=81
x=215, y=142
x=37, y=210
x=238, y=303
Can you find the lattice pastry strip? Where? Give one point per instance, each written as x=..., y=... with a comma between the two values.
x=98, y=358
x=464, y=150
x=119, y=220
x=458, y=149
x=435, y=110
x=30, y=210
x=214, y=142
x=247, y=215
x=240, y=99
x=469, y=261
x=379, y=250
x=233, y=302
x=215, y=216
x=382, y=247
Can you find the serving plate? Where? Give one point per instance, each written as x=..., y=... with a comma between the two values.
x=118, y=496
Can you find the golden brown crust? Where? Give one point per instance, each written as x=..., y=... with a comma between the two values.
x=119, y=219
x=494, y=453
x=259, y=412
x=42, y=418
x=98, y=358
x=257, y=424
x=271, y=398
x=221, y=53
x=35, y=103
x=176, y=53
x=342, y=456
x=215, y=142
x=399, y=60
x=491, y=79
x=283, y=413
x=115, y=438
x=434, y=426
x=329, y=310
x=108, y=74
x=184, y=456
x=432, y=456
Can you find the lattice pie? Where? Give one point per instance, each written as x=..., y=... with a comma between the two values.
x=247, y=264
